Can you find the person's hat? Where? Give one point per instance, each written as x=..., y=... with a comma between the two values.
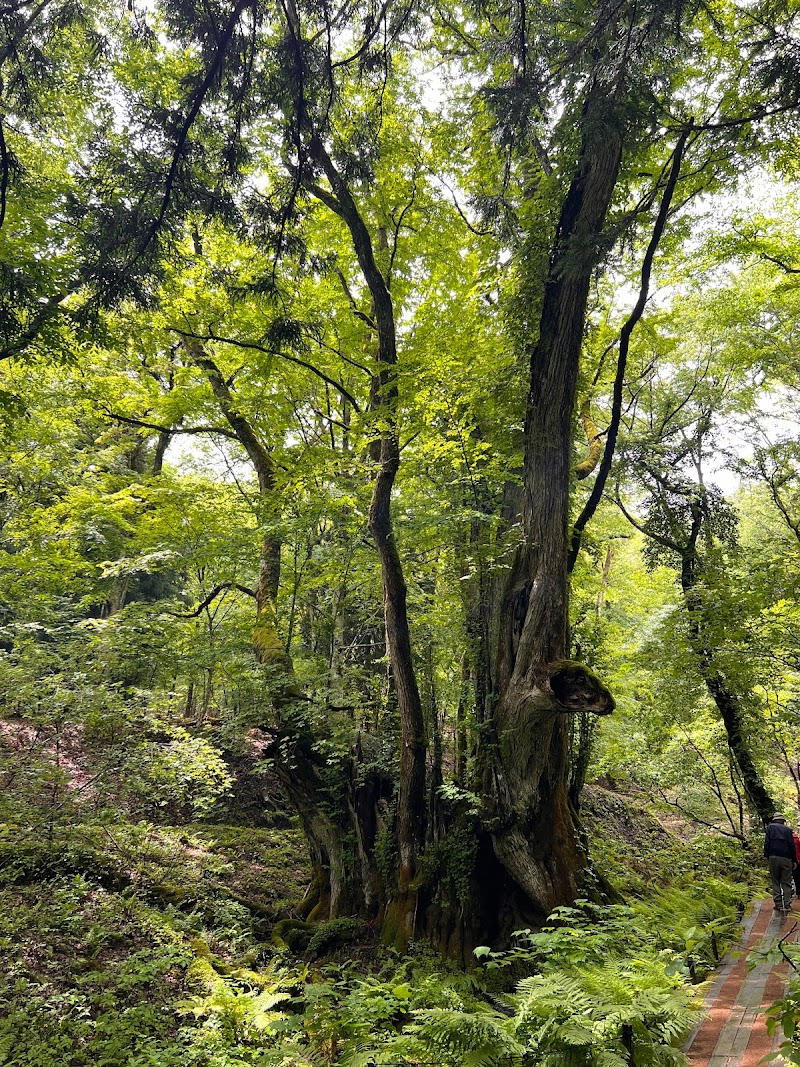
x=777, y=817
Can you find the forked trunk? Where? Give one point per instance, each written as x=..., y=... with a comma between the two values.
x=536, y=840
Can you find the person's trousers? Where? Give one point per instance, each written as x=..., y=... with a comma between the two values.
x=780, y=873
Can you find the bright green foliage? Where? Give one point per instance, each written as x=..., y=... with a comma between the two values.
x=155, y=192
x=176, y=968
x=580, y=1018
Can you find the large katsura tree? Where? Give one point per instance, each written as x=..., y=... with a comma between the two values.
x=624, y=92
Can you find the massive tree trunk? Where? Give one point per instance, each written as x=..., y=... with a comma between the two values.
x=524, y=844
x=536, y=840
x=527, y=857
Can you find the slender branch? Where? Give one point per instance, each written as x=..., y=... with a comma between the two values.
x=212, y=73
x=457, y=206
x=338, y=352
x=211, y=596
x=775, y=485
x=737, y=791
x=359, y=314
x=743, y=120
x=693, y=818
x=788, y=937
x=259, y=454
x=367, y=41
x=129, y=421
x=780, y=263
x=699, y=377
x=665, y=541
x=596, y=494
x=717, y=788
x=14, y=41
x=397, y=227
x=5, y=170
x=272, y=352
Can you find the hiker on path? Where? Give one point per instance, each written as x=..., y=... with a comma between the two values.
x=796, y=869
x=781, y=857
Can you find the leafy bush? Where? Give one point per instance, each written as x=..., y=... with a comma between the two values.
x=183, y=777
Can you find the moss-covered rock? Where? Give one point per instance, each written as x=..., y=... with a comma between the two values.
x=293, y=934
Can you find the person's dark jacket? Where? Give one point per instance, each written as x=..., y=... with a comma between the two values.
x=779, y=841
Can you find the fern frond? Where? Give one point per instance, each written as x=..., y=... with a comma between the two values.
x=361, y=1056
x=483, y=1038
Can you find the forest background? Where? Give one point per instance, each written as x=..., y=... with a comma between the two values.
x=371, y=376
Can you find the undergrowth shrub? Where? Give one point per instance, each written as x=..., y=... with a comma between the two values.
x=606, y=1014
x=146, y=959
x=334, y=934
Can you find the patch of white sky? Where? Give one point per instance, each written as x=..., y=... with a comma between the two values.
x=775, y=416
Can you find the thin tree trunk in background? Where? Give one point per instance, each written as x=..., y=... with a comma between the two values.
x=162, y=444
x=601, y=596
x=411, y=803
x=461, y=742
x=727, y=701
x=266, y=639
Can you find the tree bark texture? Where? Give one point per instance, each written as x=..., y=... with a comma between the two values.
x=341, y=819
x=536, y=840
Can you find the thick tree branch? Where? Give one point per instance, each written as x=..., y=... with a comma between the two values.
x=780, y=263
x=594, y=439
x=325, y=198
x=411, y=812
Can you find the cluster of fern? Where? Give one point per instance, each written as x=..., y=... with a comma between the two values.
x=599, y=990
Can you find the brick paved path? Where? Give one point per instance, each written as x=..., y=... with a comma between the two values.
x=734, y=1034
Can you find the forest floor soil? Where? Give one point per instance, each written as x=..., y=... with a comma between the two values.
x=734, y=1030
